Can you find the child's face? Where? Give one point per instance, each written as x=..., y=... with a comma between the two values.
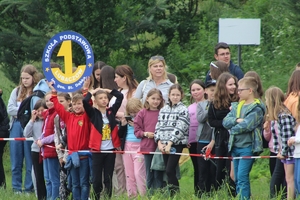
x=210, y=91
x=78, y=107
x=49, y=103
x=154, y=101
x=197, y=92
x=175, y=96
x=27, y=79
x=64, y=102
x=101, y=100
x=40, y=112
x=97, y=74
x=244, y=92
x=230, y=86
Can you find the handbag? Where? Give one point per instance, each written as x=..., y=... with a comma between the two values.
x=157, y=162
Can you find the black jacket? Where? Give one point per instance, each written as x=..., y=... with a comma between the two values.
x=4, y=119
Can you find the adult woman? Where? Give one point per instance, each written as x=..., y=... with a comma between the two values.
x=19, y=149
x=127, y=84
x=225, y=93
x=157, y=78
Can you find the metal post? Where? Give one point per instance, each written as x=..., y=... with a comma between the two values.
x=240, y=55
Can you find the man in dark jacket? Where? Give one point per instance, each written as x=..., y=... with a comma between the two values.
x=222, y=53
x=4, y=133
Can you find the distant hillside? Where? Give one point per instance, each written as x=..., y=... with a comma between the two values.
x=6, y=85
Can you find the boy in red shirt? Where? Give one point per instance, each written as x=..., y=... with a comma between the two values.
x=78, y=124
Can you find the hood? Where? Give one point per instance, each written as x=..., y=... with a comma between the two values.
x=42, y=85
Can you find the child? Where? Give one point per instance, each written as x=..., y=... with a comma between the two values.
x=20, y=150
x=242, y=121
x=60, y=134
x=197, y=88
x=50, y=161
x=104, y=136
x=171, y=131
x=225, y=94
x=134, y=163
x=78, y=124
x=276, y=110
x=144, y=127
x=295, y=141
x=205, y=142
x=34, y=129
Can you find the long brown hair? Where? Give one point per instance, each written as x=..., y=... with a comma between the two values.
x=222, y=99
x=294, y=83
x=125, y=70
x=22, y=90
x=217, y=68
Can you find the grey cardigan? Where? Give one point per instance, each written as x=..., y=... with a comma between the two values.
x=202, y=114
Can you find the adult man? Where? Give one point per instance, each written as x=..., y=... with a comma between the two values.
x=222, y=53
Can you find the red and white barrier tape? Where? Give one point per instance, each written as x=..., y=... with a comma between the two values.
x=140, y=152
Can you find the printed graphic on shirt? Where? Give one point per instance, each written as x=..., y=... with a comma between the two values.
x=80, y=123
x=106, y=132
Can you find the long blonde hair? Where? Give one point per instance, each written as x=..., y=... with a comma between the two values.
x=275, y=102
x=22, y=90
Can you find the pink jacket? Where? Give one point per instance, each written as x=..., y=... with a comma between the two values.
x=268, y=136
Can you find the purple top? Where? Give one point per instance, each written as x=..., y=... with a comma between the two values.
x=145, y=121
x=193, y=123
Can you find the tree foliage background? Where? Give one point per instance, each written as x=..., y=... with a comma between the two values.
x=131, y=31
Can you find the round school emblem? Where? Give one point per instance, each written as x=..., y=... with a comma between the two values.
x=67, y=80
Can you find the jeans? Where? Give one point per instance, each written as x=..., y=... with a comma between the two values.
x=278, y=182
x=103, y=162
x=39, y=175
x=297, y=176
x=193, y=150
x=242, y=168
x=18, y=151
x=171, y=161
x=51, y=175
x=3, y=134
x=80, y=180
x=154, y=178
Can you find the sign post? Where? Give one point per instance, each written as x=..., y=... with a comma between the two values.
x=239, y=32
x=67, y=81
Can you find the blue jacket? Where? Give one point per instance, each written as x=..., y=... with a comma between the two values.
x=252, y=121
x=234, y=69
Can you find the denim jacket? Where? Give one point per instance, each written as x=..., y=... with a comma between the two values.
x=252, y=121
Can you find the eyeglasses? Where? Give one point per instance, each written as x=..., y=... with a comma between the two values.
x=212, y=64
x=242, y=89
x=157, y=58
x=224, y=54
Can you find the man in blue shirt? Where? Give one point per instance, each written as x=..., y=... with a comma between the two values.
x=222, y=53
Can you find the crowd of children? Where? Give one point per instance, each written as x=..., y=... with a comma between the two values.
x=76, y=136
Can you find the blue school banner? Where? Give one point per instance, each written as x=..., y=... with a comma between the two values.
x=67, y=81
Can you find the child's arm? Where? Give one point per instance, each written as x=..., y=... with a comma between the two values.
x=59, y=108
x=267, y=131
x=88, y=108
x=115, y=107
x=287, y=123
x=202, y=114
x=139, y=125
x=247, y=124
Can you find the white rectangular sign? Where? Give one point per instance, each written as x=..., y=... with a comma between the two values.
x=236, y=31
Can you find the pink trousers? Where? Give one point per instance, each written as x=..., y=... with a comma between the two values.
x=135, y=170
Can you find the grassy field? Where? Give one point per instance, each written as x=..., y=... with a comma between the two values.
x=259, y=176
